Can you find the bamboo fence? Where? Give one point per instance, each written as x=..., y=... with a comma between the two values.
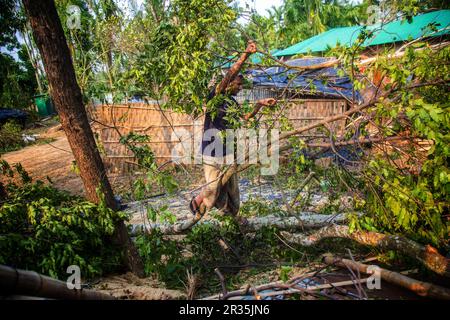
x=169, y=130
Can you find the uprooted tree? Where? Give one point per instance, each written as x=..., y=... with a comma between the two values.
x=402, y=181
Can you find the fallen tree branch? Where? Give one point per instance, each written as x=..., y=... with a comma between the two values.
x=356, y=141
x=300, y=188
x=400, y=53
x=299, y=222
x=247, y=289
x=424, y=289
x=235, y=168
x=427, y=255
x=275, y=284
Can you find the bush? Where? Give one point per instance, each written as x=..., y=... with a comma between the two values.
x=10, y=137
x=46, y=230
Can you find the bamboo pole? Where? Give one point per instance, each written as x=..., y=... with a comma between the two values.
x=30, y=283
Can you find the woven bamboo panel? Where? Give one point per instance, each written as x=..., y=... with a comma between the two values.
x=303, y=113
x=167, y=128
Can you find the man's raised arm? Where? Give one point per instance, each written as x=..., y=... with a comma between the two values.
x=234, y=70
x=270, y=102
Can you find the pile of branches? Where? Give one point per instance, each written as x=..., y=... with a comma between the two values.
x=317, y=284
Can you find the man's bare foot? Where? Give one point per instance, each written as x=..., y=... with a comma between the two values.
x=196, y=207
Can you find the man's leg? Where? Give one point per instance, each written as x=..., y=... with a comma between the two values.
x=228, y=198
x=225, y=197
x=230, y=192
x=233, y=194
x=211, y=191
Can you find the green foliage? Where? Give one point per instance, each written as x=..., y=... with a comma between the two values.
x=17, y=81
x=306, y=18
x=153, y=175
x=260, y=207
x=47, y=230
x=11, y=137
x=409, y=190
x=10, y=21
x=298, y=160
x=161, y=214
x=178, y=61
x=162, y=257
x=143, y=153
x=284, y=274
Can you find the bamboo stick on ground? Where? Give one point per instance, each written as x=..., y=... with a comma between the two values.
x=308, y=288
x=245, y=291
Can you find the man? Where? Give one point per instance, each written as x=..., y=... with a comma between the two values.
x=223, y=196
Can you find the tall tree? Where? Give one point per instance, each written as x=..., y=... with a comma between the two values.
x=66, y=94
x=306, y=18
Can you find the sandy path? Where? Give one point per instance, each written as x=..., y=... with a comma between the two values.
x=53, y=160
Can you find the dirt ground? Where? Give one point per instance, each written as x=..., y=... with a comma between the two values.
x=49, y=159
x=128, y=286
x=54, y=160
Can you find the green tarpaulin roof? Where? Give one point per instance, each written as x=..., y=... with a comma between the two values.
x=403, y=31
x=392, y=32
x=328, y=39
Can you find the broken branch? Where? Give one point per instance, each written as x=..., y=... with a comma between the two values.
x=427, y=255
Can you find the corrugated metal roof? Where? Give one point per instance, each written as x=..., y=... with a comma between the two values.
x=321, y=82
x=392, y=32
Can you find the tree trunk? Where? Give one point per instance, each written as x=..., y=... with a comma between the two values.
x=299, y=222
x=65, y=92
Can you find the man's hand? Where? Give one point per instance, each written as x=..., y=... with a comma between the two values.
x=251, y=47
x=234, y=70
x=269, y=102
